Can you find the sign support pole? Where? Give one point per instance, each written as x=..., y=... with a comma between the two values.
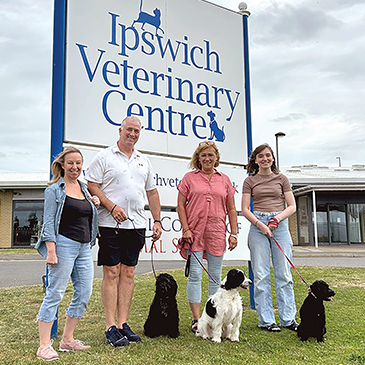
x=58, y=77
x=245, y=14
x=58, y=90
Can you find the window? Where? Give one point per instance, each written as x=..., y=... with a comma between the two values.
x=356, y=220
x=27, y=222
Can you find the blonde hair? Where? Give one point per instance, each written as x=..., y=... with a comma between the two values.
x=194, y=162
x=56, y=167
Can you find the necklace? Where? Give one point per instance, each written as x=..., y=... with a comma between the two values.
x=208, y=174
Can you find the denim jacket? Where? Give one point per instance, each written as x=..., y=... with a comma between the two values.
x=54, y=200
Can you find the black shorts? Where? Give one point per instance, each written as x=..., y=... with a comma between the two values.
x=120, y=246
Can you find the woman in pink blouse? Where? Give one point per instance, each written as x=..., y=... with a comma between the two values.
x=206, y=197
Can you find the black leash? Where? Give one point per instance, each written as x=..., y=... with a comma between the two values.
x=143, y=236
x=152, y=263
x=134, y=227
x=190, y=251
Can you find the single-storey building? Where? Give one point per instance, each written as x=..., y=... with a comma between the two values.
x=21, y=208
x=330, y=206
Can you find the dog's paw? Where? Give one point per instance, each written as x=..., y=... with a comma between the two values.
x=217, y=340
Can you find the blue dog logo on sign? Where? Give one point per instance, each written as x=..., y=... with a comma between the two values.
x=153, y=20
x=215, y=131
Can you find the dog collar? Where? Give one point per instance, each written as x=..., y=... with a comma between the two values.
x=310, y=291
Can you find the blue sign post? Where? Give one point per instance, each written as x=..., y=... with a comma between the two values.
x=245, y=14
x=58, y=89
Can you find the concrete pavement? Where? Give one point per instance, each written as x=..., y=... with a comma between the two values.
x=336, y=256
x=27, y=269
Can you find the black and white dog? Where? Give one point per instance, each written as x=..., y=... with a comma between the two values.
x=163, y=318
x=222, y=313
x=312, y=313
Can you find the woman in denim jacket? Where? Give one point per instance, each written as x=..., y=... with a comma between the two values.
x=69, y=232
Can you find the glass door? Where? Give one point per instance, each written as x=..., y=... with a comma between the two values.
x=355, y=218
x=338, y=226
x=322, y=224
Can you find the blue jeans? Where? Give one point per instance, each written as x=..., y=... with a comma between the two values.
x=75, y=261
x=260, y=248
x=193, y=288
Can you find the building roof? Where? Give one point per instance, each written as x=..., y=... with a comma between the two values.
x=307, y=178
x=301, y=177
x=13, y=180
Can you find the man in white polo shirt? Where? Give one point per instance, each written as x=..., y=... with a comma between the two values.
x=122, y=177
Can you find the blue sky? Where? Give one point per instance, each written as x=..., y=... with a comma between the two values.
x=307, y=80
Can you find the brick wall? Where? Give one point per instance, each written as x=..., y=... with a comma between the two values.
x=293, y=228
x=6, y=210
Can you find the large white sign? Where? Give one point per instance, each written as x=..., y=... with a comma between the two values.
x=177, y=65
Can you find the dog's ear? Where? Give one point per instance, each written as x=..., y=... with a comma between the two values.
x=320, y=288
x=315, y=287
x=234, y=279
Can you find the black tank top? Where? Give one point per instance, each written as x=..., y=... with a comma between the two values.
x=76, y=219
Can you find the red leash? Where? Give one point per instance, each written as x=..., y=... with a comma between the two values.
x=291, y=264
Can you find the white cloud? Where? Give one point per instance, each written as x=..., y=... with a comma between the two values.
x=25, y=69
x=306, y=60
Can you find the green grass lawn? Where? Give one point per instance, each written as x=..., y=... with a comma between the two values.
x=344, y=341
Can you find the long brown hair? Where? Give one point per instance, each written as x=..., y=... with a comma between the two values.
x=252, y=167
x=194, y=162
x=56, y=167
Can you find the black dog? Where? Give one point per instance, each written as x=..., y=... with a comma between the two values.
x=163, y=318
x=312, y=314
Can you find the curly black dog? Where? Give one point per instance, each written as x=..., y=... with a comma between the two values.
x=163, y=318
x=312, y=313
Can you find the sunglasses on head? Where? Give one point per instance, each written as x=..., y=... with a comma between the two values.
x=208, y=143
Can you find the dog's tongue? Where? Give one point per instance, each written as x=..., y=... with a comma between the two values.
x=330, y=299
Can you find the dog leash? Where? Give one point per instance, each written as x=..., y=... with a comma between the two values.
x=291, y=264
x=201, y=264
x=134, y=227
x=143, y=236
x=152, y=263
x=151, y=250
